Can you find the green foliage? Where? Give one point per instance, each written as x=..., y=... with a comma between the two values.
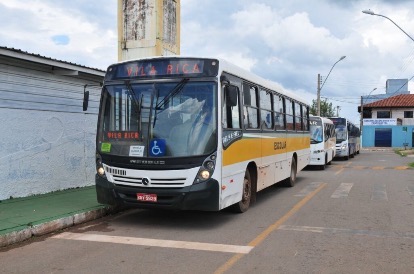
x=327, y=109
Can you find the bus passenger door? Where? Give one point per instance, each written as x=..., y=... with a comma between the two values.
x=233, y=145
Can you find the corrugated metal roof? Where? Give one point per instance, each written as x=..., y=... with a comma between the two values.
x=402, y=100
x=47, y=58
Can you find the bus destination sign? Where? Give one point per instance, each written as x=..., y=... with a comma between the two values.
x=166, y=67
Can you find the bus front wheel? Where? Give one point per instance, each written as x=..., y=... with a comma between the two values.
x=244, y=204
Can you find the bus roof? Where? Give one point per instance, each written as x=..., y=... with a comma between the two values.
x=323, y=119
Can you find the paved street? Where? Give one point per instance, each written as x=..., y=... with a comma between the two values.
x=354, y=217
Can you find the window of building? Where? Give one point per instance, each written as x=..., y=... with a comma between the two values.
x=383, y=114
x=408, y=114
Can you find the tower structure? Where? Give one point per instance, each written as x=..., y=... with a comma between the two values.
x=148, y=28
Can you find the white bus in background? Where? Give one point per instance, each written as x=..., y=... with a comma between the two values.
x=348, y=138
x=323, y=141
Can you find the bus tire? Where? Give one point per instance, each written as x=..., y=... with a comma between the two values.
x=290, y=182
x=244, y=204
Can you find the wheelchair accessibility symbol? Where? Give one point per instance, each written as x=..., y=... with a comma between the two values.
x=157, y=147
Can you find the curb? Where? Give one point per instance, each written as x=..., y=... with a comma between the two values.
x=52, y=226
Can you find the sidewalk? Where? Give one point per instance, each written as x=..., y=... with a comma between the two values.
x=23, y=218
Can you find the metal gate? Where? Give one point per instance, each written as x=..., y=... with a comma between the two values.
x=383, y=137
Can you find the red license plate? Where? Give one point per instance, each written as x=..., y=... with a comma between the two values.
x=146, y=197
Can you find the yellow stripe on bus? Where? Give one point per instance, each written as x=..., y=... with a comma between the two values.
x=251, y=148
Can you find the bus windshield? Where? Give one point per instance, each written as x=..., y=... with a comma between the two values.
x=158, y=119
x=341, y=133
x=316, y=131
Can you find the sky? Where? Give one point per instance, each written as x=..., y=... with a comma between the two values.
x=288, y=42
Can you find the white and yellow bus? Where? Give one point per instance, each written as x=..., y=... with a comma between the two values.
x=323, y=141
x=195, y=134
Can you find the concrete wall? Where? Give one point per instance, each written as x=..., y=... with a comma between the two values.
x=47, y=142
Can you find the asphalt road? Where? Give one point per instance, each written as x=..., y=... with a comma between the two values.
x=356, y=216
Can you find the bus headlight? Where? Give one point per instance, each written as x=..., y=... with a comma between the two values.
x=343, y=147
x=101, y=171
x=99, y=166
x=204, y=174
x=206, y=170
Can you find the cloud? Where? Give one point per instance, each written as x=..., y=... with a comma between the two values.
x=44, y=22
x=288, y=42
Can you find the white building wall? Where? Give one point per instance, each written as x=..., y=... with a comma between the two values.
x=396, y=113
x=47, y=142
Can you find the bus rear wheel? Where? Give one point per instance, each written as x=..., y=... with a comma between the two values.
x=244, y=204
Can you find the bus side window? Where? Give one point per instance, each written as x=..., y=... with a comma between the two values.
x=289, y=114
x=231, y=107
x=279, y=112
x=251, y=110
x=298, y=116
x=305, y=120
x=266, y=109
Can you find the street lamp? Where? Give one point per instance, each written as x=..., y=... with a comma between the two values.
x=370, y=12
x=362, y=108
x=318, y=99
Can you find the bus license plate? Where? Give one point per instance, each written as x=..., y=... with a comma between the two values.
x=145, y=197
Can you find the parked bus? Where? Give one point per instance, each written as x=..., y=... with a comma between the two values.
x=195, y=134
x=323, y=141
x=348, y=140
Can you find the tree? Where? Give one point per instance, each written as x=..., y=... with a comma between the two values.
x=326, y=108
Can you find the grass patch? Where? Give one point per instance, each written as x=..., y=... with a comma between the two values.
x=404, y=152
x=411, y=165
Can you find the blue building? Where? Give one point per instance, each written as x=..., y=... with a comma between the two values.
x=388, y=122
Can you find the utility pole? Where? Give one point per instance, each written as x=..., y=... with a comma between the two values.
x=318, y=99
x=362, y=114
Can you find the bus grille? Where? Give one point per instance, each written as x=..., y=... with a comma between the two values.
x=153, y=182
x=120, y=178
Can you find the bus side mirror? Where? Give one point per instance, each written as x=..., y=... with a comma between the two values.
x=231, y=95
x=85, y=99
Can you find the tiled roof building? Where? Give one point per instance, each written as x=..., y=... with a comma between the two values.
x=398, y=101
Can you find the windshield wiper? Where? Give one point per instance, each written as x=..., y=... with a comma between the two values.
x=177, y=89
x=173, y=92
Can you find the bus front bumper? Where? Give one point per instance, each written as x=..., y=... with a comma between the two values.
x=203, y=196
x=317, y=159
